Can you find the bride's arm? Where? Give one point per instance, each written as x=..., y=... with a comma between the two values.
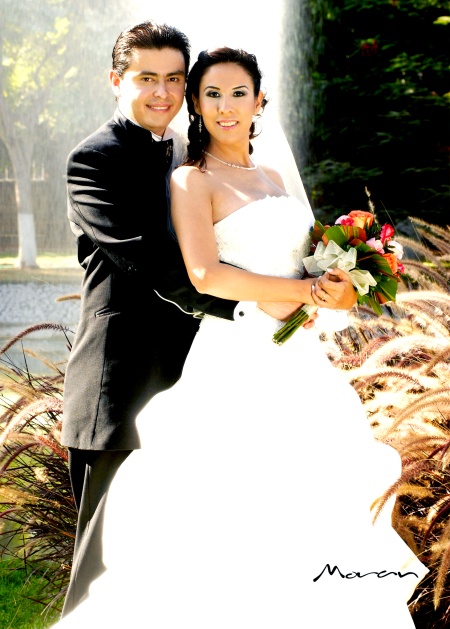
x=191, y=202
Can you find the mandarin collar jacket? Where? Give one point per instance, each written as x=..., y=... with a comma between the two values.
x=132, y=339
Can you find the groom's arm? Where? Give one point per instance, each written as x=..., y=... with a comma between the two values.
x=100, y=211
x=175, y=286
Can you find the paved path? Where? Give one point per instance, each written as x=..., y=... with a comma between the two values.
x=24, y=305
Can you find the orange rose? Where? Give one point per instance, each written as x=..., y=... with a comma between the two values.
x=361, y=219
x=391, y=259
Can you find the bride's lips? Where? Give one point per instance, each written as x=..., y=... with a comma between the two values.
x=227, y=124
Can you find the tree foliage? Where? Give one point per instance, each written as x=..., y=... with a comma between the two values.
x=378, y=91
x=54, y=68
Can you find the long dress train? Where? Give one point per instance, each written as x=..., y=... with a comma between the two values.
x=249, y=504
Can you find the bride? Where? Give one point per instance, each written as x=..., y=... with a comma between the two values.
x=249, y=504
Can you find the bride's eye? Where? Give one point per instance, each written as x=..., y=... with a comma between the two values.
x=239, y=93
x=213, y=94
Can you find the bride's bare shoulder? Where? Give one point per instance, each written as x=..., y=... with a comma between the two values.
x=182, y=173
x=187, y=176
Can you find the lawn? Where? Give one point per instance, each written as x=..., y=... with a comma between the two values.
x=17, y=608
x=52, y=268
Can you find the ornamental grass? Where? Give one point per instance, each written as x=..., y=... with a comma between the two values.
x=399, y=365
x=37, y=511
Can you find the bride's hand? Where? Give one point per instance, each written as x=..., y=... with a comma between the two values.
x=334, y=290
x=282, y=310
x=311, y=321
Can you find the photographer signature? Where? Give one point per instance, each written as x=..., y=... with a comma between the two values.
x=353, y=574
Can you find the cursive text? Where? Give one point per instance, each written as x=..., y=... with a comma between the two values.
x=353, y=574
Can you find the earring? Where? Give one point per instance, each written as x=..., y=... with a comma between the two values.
x=200, y=124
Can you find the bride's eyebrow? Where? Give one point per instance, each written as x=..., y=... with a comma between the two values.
x=213, y=87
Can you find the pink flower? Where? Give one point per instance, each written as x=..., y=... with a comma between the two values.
x=375, y=244
x=387, y=231
x=400, y=267
x=344, y=220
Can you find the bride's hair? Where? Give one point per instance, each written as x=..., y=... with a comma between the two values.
x=199, y=139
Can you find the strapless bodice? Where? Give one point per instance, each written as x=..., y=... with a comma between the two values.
x=268, y=236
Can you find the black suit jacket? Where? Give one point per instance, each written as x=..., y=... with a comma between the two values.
x=130, y=343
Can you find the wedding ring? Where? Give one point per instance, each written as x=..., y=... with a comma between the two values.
x=322, y=298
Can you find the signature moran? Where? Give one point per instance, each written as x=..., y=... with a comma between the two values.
x=353, y=574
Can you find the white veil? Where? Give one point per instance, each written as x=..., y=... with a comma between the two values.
x=271, y=148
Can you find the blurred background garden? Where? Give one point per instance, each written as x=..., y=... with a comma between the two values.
x=362, y=90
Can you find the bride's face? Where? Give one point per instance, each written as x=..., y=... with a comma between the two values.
x=227, y=102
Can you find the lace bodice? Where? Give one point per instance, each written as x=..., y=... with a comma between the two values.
x=268, y=236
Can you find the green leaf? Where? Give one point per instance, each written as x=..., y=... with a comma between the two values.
x=388, y=287
x=342, y=234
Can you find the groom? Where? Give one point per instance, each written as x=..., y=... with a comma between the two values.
x=130, y=343
x=137, y=305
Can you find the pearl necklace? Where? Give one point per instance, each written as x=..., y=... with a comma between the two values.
x=232, y=165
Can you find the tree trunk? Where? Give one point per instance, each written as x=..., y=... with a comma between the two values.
x=27, y=252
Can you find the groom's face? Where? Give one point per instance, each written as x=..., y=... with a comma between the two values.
x=151, y=91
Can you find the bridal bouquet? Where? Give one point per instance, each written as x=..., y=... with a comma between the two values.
x=361, y=247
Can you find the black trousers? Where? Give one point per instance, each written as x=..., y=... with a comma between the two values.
x=91, y=474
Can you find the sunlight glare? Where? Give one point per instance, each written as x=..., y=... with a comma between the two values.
x=253, y=26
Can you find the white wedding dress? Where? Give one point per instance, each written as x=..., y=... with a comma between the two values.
x=258, y=470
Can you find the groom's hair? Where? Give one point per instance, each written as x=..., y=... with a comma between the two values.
x=148, y=35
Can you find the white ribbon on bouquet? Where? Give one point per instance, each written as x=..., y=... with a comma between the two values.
x=332, y=256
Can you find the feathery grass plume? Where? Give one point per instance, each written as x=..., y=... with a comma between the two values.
x=407, y=474
x=442, y=234
x=435, y=400
x=417, y=446
x=416, y=348
x=37, y=511
x=443, y=357
x=439, y=299
x=432, y=303
x=35, y=328
x=444, y=566
x=418, y=273
x=390, y=374
x=422, y=250
x=68, y=297
x=439, y=244
x=37, y=411
x=430, y=411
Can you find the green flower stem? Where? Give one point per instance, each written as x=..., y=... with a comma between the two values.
x=296, y=321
